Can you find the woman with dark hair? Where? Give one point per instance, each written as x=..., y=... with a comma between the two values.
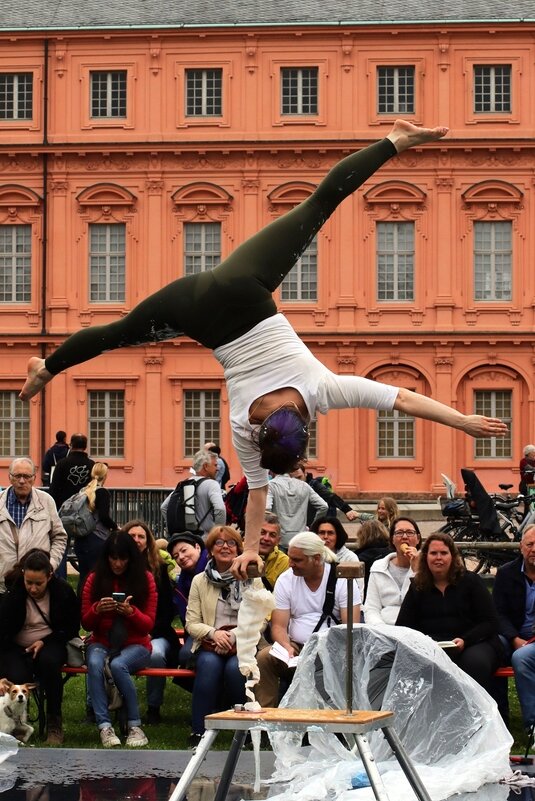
x=390, y=576
x=119, y=608
x=275, y=385
x=39, y=614
x=334, y=535
x=452, y=605
x=163, y=637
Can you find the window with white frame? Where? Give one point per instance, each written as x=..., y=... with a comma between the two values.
x=107, y=260
x=16, y=95
x=492, y=88
x=395, y=261
x=202, y=247
x=14, y=425
x=395, y=435
x=395, y=90
x=299, y=90
x=204, y=93
x=202, y=419
x=494, y=403
x=312, y=448
x=108, y=94
x=493, y=255
x=106, y=423
x=15, y=263
x=301, y=283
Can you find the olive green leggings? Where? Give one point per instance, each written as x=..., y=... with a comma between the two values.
x=217, y=306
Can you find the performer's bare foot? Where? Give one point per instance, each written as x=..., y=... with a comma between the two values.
x=404, y=135
x=38, y=376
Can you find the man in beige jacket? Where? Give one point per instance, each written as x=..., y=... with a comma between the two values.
x=28, y=519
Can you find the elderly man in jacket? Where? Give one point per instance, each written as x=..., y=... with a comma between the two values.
x=28, y=519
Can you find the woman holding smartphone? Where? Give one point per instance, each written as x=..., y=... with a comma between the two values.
x=119, y=608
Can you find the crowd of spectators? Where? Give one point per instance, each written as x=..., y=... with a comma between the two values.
x=135, y=592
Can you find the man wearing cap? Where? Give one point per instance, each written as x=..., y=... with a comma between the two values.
x=188, y=551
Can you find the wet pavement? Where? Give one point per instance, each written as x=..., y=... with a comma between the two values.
x=45, y=774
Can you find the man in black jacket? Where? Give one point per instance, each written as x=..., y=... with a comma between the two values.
x=58, y=451
x=73, y=472
x=70, y=475
x=514, y=597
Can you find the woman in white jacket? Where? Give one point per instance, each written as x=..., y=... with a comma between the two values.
x=390, y=577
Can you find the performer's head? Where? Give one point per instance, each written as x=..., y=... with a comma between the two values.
x=283, y=440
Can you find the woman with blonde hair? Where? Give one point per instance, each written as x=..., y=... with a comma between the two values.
x=87, y=549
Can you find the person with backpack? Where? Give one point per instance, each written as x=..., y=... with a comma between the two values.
x=274, y=383
x=58, y=451
x=87, y=548
x=308, y=597
x=196, y=504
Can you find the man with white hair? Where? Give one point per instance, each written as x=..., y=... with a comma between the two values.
x=28, y=519
x=209, y=504
x=306, y=601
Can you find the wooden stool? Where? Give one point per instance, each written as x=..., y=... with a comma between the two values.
x=355, y=724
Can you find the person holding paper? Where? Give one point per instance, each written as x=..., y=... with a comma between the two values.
x=452, y=605
x=300, y=595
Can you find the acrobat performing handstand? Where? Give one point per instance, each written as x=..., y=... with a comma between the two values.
x=275, y=385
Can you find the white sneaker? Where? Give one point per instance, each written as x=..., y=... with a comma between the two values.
x=108, y=737
x=136, y=737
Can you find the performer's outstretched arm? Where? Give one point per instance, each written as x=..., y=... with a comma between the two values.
x=475, y=425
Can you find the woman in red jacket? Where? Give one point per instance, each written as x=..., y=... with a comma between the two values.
x=119, y=608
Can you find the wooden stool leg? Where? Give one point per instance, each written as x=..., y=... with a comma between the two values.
x=368, y=761
x=179, y=793
x=406, y=765
x=230, y=765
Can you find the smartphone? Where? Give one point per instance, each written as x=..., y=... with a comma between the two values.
x=120, y=597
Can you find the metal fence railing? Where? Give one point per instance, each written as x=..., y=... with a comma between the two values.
x=141, y=503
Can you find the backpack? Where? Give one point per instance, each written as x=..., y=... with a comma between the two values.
x=181, y=509
x=328, y=604
x=236, y=502
x=77, y=518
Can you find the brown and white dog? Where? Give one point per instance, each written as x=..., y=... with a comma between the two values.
x=14, y=709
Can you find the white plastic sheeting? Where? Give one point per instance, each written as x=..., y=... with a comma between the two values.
x=448, y=724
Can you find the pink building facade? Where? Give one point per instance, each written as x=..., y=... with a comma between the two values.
x=130, y=158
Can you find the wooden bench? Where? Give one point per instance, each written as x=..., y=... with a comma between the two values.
x=69, y=672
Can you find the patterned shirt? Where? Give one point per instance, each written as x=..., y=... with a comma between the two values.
x=16, y=509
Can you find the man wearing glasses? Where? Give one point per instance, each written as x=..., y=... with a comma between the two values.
x=28, y=519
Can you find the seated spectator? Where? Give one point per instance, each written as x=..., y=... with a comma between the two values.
x=449, y=603
x=191, y=556
x=38, y=615
x=211, y=619
x=87, y=549
x=163, y=637
x=334, y=536
x=120, y=631
x=513, y=593
x=390, y=576
x=300, y=595
x=373, y=542
x=275, y=560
